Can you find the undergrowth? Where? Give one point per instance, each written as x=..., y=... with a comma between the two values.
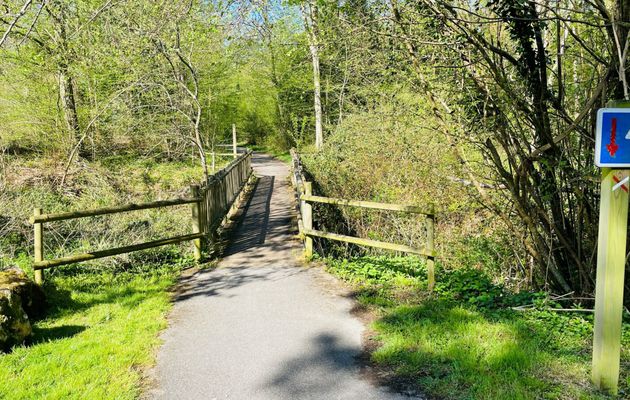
x=467, y=341
x=110, y=181
x=99, y=336
x=101, y=328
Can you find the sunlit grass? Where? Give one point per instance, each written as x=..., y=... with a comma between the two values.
x=455, y=348
x=459, y=353
x=99, y=337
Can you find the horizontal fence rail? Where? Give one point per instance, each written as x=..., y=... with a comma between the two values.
x=110, y=210
x=370, y=243
x=115, y=251
x=304, y=195
x=365, y=204
x=210, y=203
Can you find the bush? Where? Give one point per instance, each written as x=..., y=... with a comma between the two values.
x=384, y=155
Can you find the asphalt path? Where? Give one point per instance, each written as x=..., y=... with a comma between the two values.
x=261, y=325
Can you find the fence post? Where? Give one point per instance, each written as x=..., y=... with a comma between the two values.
x=307, y=218
x=196, y=221
x=431, y=249
x=39, y=246
x=234, y=139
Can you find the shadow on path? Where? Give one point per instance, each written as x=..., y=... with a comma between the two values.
x=254, y=225
x=260, y=326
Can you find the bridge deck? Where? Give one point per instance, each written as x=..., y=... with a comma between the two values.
x=261, y=326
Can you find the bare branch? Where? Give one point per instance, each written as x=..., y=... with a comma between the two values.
x=15, y=21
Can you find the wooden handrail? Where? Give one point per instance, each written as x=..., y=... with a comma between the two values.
x=210, y=205
x=221, y=173
x=304, y=195
x=110, y=210
x=369, y=242
x=366, y=204
x=131, y=207
x=112, y=252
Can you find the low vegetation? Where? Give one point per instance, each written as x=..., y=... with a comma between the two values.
x=472, y=338
x=481, y=111
x=101, y=329
x=100, y=334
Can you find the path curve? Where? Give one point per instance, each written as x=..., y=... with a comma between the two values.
x=261, y=326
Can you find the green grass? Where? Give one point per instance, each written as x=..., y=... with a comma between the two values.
x=465, y=342
x=101, y=330
x=100, y=334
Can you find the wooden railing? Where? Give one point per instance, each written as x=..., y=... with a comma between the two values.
x=305, y=197
x=219, y=195
x=210, y=204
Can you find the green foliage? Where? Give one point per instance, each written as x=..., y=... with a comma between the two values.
x=470, y=286
x=98, y=338
x=380, y=270
x=384, y=155
x=465, y=341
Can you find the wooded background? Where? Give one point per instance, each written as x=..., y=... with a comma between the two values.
x=485, y=109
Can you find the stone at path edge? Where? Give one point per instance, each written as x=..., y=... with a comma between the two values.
x=19, y=299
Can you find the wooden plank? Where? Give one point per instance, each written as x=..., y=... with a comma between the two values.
x=365, y=204
x=115, y=251
x=307, y=218
x=110, y=210
x=368, y=242
x=611, y=257
x=431, y=248
x=39, y=246
x=196, y=221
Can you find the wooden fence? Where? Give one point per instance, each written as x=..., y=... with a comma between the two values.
x=210, y=203
x=305, y=221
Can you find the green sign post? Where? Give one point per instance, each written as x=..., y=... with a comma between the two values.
x=611, y=260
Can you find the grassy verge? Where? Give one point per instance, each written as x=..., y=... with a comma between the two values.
x=101, y=332
x=466, y=342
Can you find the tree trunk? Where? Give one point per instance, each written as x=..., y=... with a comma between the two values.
x=69, y=105
x=311, y=23
x=67, y=97
x=268, y=37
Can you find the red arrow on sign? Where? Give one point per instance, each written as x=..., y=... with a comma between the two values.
x=612, y=147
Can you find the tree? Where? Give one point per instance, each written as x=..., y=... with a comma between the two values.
x=311, y=23
x=509, y=99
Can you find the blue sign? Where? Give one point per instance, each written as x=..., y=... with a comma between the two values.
x=612, y=138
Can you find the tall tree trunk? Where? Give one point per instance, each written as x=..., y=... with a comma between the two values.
x=68, y=104
x=66, y=82
x=268, y=37
x=621, y=14
x=311, y=24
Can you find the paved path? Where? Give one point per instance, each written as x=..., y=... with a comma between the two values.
x=261, y=326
